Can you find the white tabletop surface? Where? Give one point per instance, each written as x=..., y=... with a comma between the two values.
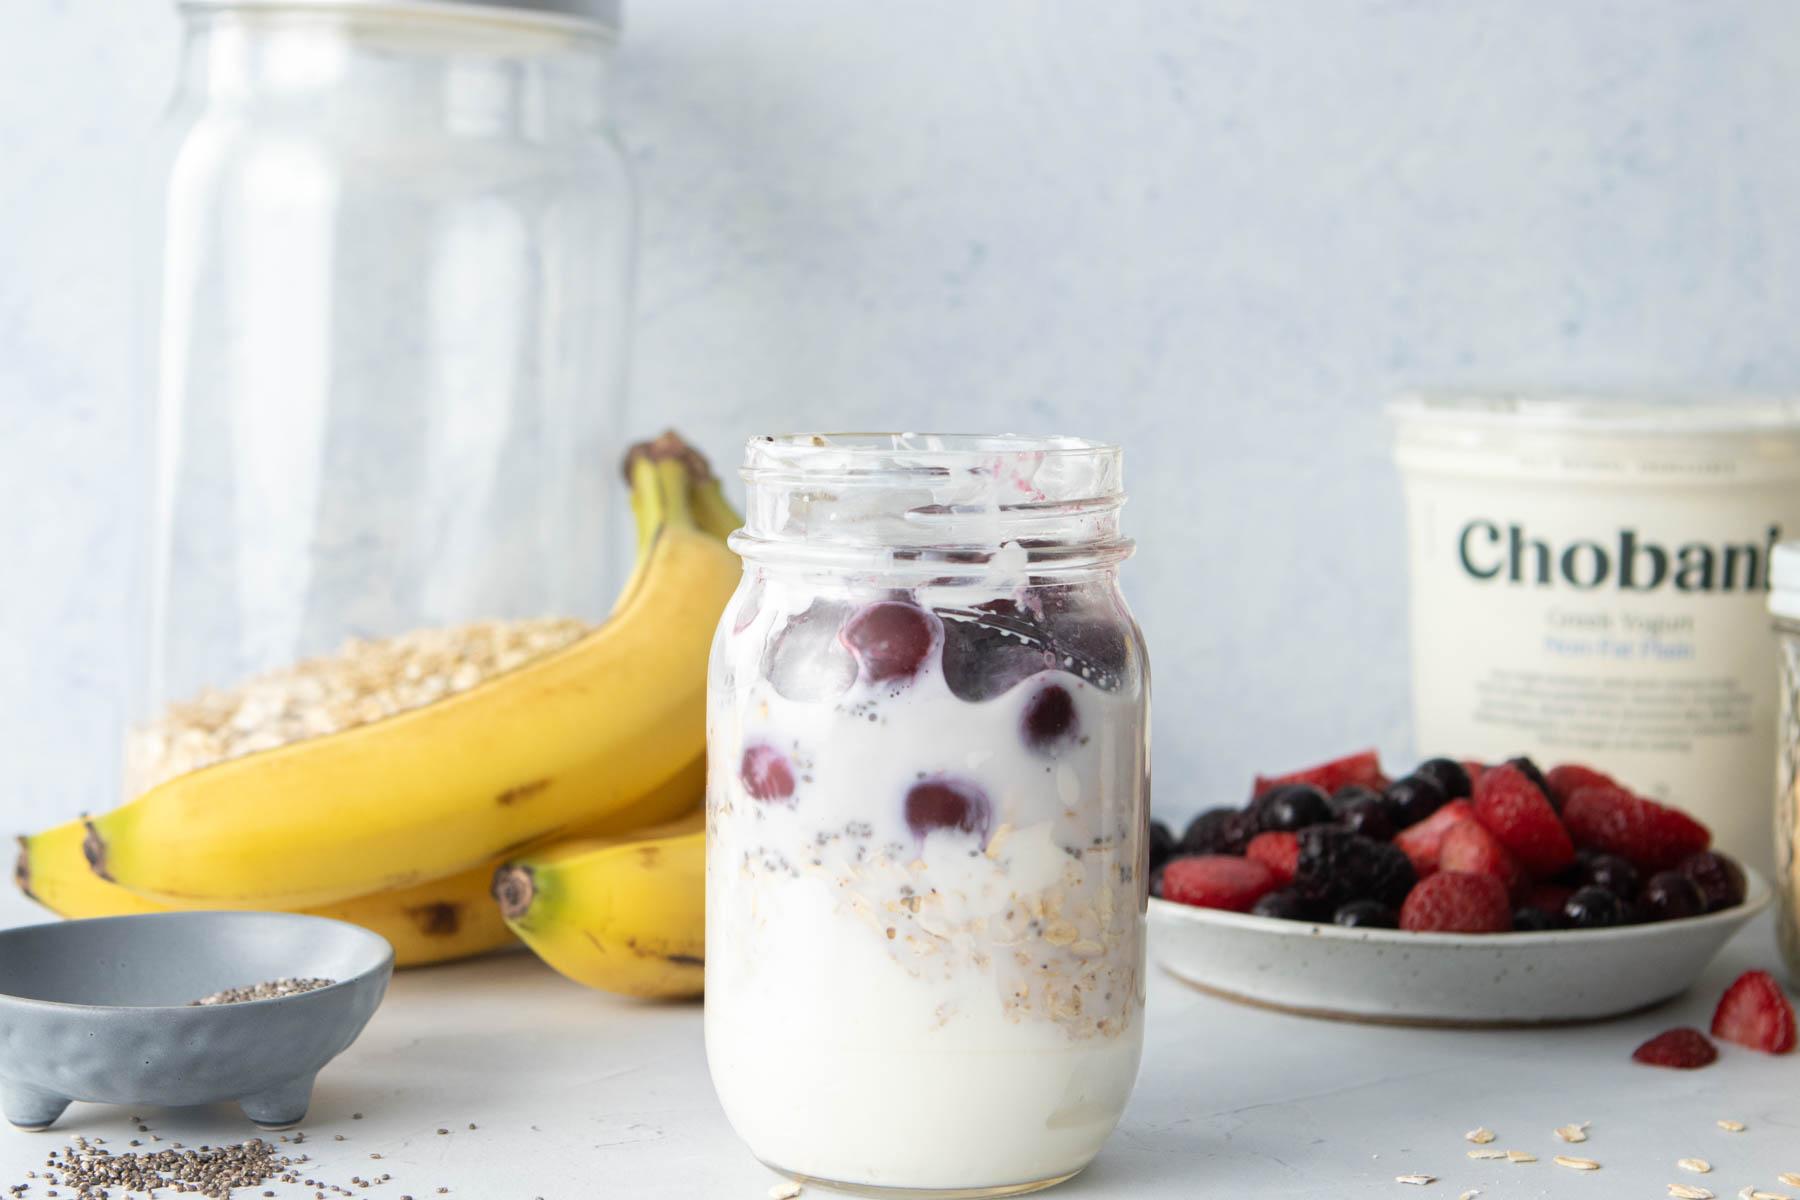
x=577, y=1094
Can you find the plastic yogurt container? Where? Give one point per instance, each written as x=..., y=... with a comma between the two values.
x=926, y=814
x=1589, y=583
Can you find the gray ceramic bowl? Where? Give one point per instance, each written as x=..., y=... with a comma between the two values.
x=98, y=1010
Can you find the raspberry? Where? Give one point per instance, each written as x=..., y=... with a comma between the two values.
x=1421, y=842
x=1754, y=1012
x=1217, y=881
x=1651, y=836
x=1278, y=851
x=1363, y=768
x=1566, y=780
x=1683, y=1048
x=1451, y=902
x=1515, y=810
x=1470, y=848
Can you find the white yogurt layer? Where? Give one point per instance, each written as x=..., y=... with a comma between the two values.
x=943, y=992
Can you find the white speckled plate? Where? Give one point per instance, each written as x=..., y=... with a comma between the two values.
x=1441, y=978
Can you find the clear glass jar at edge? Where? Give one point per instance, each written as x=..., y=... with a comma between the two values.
x=388, y=277
x=927, y=803
x=1784, y=604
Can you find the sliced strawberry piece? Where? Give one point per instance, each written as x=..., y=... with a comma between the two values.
x=1362, y=768
x=1683, y=1048
x=1547, y=897
x=1278, y=851
x=1421, y=842
x=1564, y=781
x=1451, y=902
x=1217, y=881
x=1755, y=1012
x=1469, y=847
x=1651, y=836
x=1516, y=811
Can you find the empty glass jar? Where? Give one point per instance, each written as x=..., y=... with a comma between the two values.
x=389, y=280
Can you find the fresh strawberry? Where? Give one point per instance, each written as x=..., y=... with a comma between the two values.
x=1653, y=837
x=1278, y=851
x=1569, y=778
x=1683, y=1048
x=1217, y=881
x=1755, y=1012
x=1422, y=841
x=1474, y=770
x=1516, y=811
x=1451, y=902
x=1547, y=897
x=1363, y=768
x=1468, y=847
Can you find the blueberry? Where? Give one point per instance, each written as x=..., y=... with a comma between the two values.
x=991, y=647
x=1161, y=843
x=1613, y=873
x=1286, y=904
x=1218, y=831
x=1449, y=775
x=1529, y=770
x=766, y=773
x=1366, y=914
x=1669, y=896
x=1365, y=815
x=1089, y=630
x=891, y=639
x=1412, y=799
x=1533, y=920
x=1338, y=866
x=1720, y=880
x=1291, y=806
x=951, y=804
x=1594, y=908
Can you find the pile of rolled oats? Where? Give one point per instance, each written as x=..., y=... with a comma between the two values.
x=363, y=682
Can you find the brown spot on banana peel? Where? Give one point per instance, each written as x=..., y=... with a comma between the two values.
x=93, y=848
x=441, y=919
x=523, y=791
x=668, y=445
x=22, y=869
x=513, y=890
x=649, y=856
x=686, y=960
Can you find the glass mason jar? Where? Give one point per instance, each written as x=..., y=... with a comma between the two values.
x=1784, y=603
x=391, y=276
x=927, y=809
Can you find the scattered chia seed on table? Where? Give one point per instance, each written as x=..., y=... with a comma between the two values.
x=272, y=989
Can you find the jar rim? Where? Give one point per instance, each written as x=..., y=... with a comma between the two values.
x=594, y=18
x=872, y=457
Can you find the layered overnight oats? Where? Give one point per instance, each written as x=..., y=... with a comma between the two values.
x=926, y=813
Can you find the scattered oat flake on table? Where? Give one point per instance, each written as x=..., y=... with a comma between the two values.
x=1572, y=1133
x=1698, y=1166
x=1483, y=1154
x=1732, y=1126
x=1687, y=1191
x=1416, y=1180
x=1480, y=1137
x=1791, y=1178
x=1520, y=1156
x=1758, y=1195
x=785, y=1191
x=1576, y=1164
x=1470, y=1194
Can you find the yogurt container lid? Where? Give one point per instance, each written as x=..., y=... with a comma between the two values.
x=1598, y=413
x=1784, y=581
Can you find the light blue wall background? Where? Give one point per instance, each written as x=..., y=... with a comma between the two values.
x=1219, y=231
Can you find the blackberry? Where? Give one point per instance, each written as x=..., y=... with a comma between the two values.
x=1290, y=807
x=1412, y=799
x=1365, y=815
x=1218, y=831
x=1533, y=920
x=1161, y=844
x=1611, y=872
x=1339, y=866
x=1449, y=775
x=1366, y=914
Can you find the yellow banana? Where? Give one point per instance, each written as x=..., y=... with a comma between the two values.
x=443, y=788
x=622, y=915
x=436, y=921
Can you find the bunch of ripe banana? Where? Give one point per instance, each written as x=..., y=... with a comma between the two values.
x=570, y=787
